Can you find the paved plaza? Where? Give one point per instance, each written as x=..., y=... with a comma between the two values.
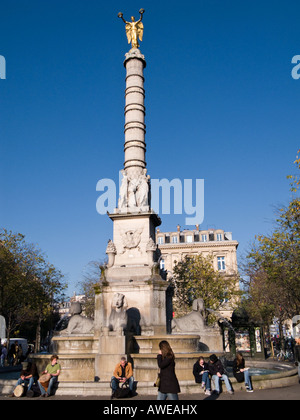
x=276, y=394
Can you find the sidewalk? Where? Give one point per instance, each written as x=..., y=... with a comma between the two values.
x=276, y=394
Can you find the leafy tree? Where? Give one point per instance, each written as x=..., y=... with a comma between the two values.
x=91, y=277
x=273, y=266
x=194, y=277
x=295, y=179
x=29, y=284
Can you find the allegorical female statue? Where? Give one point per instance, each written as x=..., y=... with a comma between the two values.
x=134, y=29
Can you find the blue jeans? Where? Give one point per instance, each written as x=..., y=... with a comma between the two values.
x=53, y=381
x=115, y=383
x=224, y=378
x=206, y=380
x=247, y=379
x=161, y=396
x=29, y=382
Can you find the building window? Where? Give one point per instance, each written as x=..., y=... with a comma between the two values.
x=160, y=240
x=162, y=264
x=174, y=240
x=189, y=238
x=204, y=238
x=219, y=237
x=221, y=264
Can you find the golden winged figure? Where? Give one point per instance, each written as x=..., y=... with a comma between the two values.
x=134, y=29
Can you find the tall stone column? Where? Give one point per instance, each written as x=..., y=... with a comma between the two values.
x=135, y=188
x=135, y=146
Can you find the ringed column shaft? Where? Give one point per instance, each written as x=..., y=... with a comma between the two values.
x=134, y=129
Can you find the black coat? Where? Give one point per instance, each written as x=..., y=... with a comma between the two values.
x=197, y=369
x=168, y=381
x=239, y=376
x=216, y=367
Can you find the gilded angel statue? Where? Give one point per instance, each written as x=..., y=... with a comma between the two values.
x=134, y=29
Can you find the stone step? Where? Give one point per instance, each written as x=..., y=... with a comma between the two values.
x=102, y=388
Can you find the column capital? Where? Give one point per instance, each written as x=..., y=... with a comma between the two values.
x=134, y=53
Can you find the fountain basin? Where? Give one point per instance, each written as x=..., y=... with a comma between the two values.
x=287, y=375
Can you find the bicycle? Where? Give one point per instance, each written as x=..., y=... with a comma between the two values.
x=284, y=356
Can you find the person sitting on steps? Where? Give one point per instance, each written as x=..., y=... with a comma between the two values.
x=123, y=373
x=217, y=372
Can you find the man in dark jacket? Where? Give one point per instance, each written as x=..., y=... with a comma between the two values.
x=217, y=372
x=28, y=376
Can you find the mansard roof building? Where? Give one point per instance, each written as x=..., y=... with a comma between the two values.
x=174, y=246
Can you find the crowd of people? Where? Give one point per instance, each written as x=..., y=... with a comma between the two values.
x=205, y=373
x=168, y=384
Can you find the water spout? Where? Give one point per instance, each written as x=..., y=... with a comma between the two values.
x=226, y=322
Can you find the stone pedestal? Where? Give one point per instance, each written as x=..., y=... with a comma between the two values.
x=111, y=349
x=134, y=246
x=146, y=300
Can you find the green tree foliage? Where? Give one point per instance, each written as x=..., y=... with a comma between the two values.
x=29, y=284
x=273, y=266
x=194, y=277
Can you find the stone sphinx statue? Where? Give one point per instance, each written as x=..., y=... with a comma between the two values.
x=78, y=324
x=193, y=321
x=118, y=316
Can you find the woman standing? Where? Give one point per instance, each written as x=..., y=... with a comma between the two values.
x=169, y=386
x=241, y=373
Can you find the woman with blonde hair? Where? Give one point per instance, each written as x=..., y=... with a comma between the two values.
x=169, y=385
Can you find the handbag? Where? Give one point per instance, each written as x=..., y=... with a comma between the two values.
x=123, y=392
x=157, y=382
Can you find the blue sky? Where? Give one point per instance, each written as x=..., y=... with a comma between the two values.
x=221, y=106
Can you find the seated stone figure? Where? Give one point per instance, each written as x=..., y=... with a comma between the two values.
x=192, y=322
x=78, y=324
x=118, y=316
